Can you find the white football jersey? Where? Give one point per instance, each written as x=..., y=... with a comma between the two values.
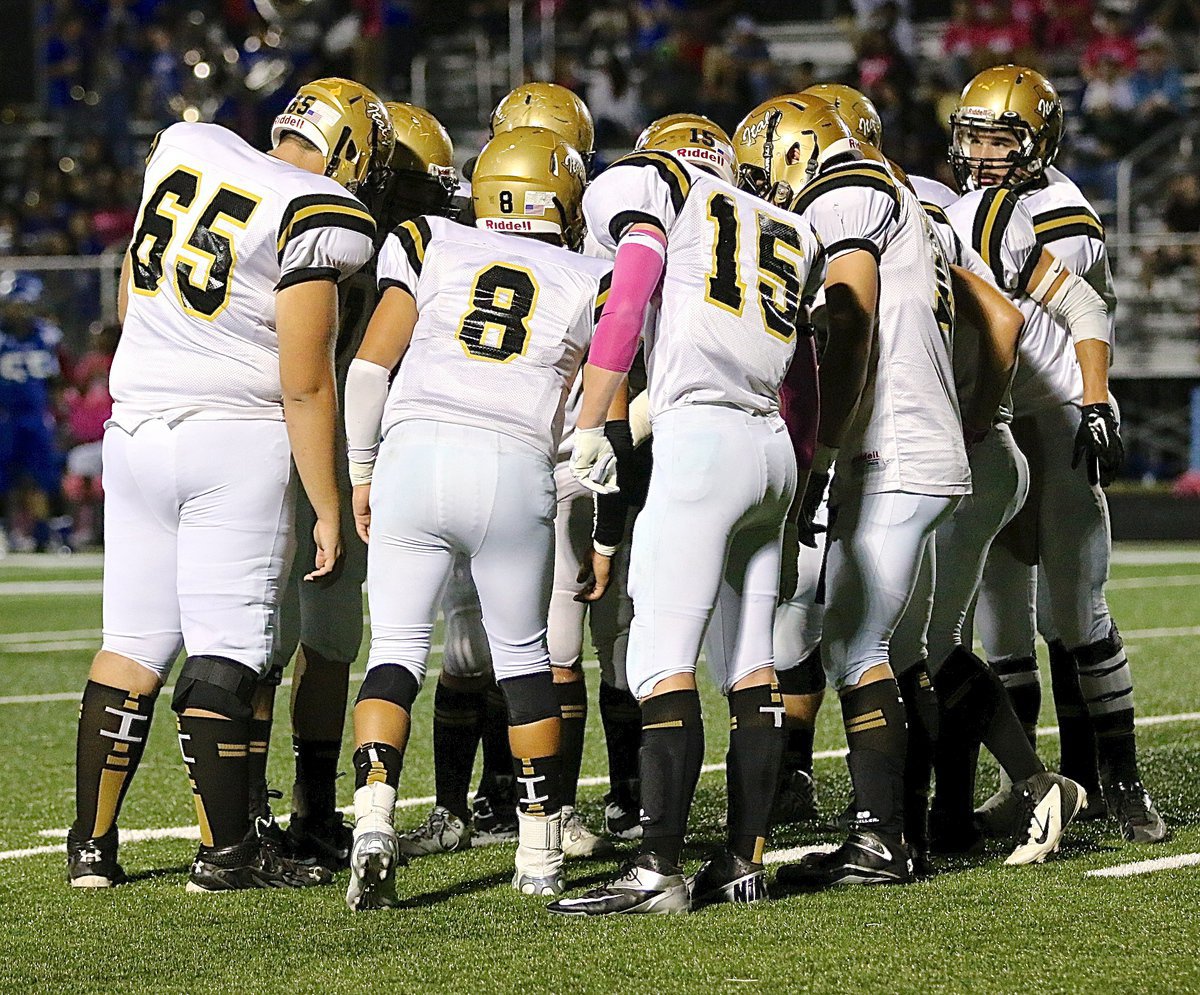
x=503, y=324
x=967, y=357
x=999, y=225
x=222, y=227
x=931, y=191
x=906, y=433
x=737, y=272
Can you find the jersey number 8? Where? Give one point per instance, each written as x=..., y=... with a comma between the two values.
x=779, y=253
x=496, y=328
x=202, y=281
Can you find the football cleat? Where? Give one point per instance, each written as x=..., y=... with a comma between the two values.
x=726, y=877
x=1050, y=803
x=92, y=863
x=622, y=819
x=795, y=799
x=579, y=841
x=441, y=832
x=320, y=841
x=1000, y=816
x=648, y=884
x=252, y=863
x=865, y=858
x=494, y=821
x=1130, y=804
x=539, y=855
x=374, y=860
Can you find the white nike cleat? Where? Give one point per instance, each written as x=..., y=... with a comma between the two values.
x=539, y=855
x=374, y=859
x=1051, y=802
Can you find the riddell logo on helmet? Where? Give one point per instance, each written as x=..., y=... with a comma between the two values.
x=703, y=155
x=505, y=224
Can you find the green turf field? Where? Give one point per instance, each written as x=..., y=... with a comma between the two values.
x=979, y=928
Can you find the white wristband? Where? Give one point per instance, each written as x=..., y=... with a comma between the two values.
x=361, y=473
x=603, y=550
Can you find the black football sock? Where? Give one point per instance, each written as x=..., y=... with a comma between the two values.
x=1107, y=688
x=217, y=755
x=260, y=741
x=374, y=762
x=495, y=780
x=458, y=717
x=1021, y=680
x=756, y=738
x=877, y=738
x=622, y=720
x=113, y=727
x=539, y=784
x=670, y=758
x=314, y=795
x=573, y=704
x=805, y=679
x=921, y=714
x=1076, y=738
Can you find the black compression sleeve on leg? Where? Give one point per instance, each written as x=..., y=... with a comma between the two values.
x=670, y=759
x=622, y=720
x=217, y=755
x=458, y=717
x=1020, y=678
x=260, y=742
x=1106, y=684
x=1076, y=738
x=113, y=726
x=573, y=704
x=756, y=738
x=877, y=738
x=921, y=714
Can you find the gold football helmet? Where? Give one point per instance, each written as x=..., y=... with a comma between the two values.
x=421, y=178
x=550, y=106
x=530, y=181
x=1014, y=112
x=855, y=108
x=695, y=139
x=784, y=143
x=346, y=122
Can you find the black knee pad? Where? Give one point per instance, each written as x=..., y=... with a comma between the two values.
x=530, y=698
x=807, y=677
x=216, y=684
x=1096, y=653
x=390, y=682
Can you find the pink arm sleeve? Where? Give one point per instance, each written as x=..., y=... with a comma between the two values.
x=641, y=256
x=800, y=401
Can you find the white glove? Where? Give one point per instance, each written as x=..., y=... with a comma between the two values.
x=593, y=461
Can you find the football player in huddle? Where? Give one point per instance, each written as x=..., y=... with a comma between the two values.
x=888, y=405
x=465, y=700
x=223, y=377
x=735, y=273
x=322, y=624
x=926, y=649
x=1044, y=243
x=491, y=330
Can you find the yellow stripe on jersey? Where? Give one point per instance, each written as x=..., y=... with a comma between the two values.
x=668, y=167
x=602, y=295
x=1061, y=224
x=414, y=237
x=992, y=216
x=326, y=215
x=863, y=174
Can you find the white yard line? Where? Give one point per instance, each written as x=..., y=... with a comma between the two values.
x=1174, y=580
x=32, y=588
x=1146, y=866
x=47, y=635
x=1155, y=557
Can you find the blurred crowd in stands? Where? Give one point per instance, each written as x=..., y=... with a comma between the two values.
x=115, y=71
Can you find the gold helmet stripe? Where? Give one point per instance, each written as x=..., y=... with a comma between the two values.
x=323, y=211
x=602, y=294
x=1066, y=222
x=862, y=174
x=668, y=167
x=414, y=236
x=992, y=216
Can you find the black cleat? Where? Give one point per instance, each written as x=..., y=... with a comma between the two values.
x=726, y=877
x=493, y=821
x=795, y=799
x=1130, y=804
x=252, y=863
x=92, y=863
x=646, y=885
x=865, y=858
x=320, y=841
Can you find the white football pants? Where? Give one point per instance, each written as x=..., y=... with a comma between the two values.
x=441, y=490
x=798, y=622
x=937, y=612
x=197, y=539
x=707, y=544
x=876, y=544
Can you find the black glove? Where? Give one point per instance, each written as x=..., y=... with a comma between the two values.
x=1098, y=441
x=814, y=494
